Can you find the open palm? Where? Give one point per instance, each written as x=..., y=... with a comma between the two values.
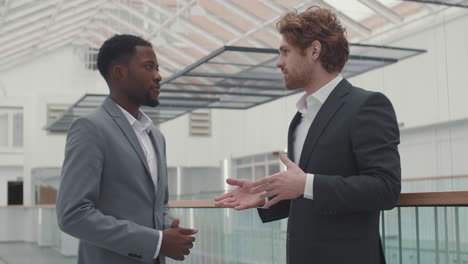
x=240, y=198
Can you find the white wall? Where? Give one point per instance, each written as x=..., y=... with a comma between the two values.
x=57, y=77
x=438, y=150
x=430, y=87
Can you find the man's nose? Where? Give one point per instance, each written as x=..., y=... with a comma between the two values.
x=157, y=76
x=279, y=63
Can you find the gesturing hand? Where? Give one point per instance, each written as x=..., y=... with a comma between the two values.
x=240, y=198
x=177, y=241
x=283, y=185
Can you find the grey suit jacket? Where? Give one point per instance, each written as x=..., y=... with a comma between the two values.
x=107, y=198
x=351, y=147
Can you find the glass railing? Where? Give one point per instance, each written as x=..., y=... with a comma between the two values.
x=429, y=228
x=426, y=235
x=227, y=236
x=423, y=229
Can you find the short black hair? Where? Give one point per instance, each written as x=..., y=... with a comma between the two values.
x=117, y=49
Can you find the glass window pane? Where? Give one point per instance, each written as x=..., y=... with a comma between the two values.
x=4, y=129
x=18, y=130
x=260, y=171
x=259, y=158
x=273, y=168
x=244, y=173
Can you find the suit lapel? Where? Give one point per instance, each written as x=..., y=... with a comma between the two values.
x=322, y=119
x=160, y=159
x=295, y=121
x=114, y=111
x=159, y=155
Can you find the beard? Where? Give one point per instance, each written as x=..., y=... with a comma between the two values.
x=294, y=84
x=299, y=80
x=150, y=101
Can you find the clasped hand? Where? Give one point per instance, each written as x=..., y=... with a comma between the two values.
x=177, y=241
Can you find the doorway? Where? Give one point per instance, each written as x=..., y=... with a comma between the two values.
x=15, y=193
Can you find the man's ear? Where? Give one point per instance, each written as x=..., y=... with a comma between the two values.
x=118, y=72
x=313, y=51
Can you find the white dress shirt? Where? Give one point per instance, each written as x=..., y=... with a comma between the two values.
x=142, y=127
x=309, y=106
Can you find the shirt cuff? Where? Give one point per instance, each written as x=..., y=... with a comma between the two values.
x=309, y=187
x=264, y=205
x=159, y=245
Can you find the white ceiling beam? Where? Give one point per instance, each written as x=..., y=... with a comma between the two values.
x=187, y=23
x=383, y=10
x=51, y=21
x=274, y=6
x=179, y=53
x=29, y=25
x=164, y=28
x=14, y=57
x=30, y=57
x=108, y=28
x=60, y=38
x=265, y=24
x=346, y=20
x=83, y=39
x=150, y=20
x=28, y=52
x=37, y=6
x=136, y=13
x=93, y=33
x=197, y=29
x=413, y=24
x=190, y=43
x=165, y=73
x=235, y=31
x=168, y=61
x=163, y=11
x=219, y=42
x=37, y=34
x=33, y=39
x=3, y=11
x=177, y=16
x=17, y=25
x=242, y=14
x=126, y=23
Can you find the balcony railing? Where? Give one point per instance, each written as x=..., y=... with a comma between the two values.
x=424, y=228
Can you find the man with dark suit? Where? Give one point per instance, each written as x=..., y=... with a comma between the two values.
x=344, y=140
x=113, y=192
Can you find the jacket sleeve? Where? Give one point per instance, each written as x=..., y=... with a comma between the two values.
x=78, y=196
x=276, y=212
x=375, y=137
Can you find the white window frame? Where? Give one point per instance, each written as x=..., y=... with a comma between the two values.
x=252, y=163
x=11, y=111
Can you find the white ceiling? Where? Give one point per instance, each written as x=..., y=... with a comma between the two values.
x=182, y=31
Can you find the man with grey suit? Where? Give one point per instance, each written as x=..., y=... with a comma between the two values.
x=343, y=165
x=113, y=194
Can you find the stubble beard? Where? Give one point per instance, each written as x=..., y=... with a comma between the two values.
x=149, y=101
x=296, y=82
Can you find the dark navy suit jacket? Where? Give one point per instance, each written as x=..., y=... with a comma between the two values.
x=351, y=147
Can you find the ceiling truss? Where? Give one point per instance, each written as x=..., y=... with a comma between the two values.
x=182, y=31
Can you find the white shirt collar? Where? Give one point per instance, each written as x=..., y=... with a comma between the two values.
x=309, y=104
x=142, y=123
